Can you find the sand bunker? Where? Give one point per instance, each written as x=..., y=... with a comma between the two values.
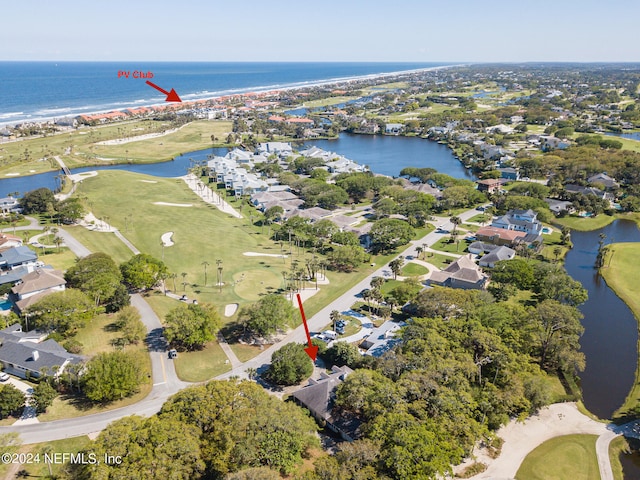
x=166, y=239
x=148, y=181
x=173, y=204
x=230, y=309
x=255, y=254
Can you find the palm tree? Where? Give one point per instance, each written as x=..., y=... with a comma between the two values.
x=334, y=316
x=455, y=221
x=58, y=241
x=252, y=373
x=205, y=264
x=173, y=276
x=396, y=266
x=419, y=251
x=184, y=282
x=557, y=251
x=377, y=282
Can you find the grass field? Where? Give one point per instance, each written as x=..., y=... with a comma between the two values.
x=585, y=224
x=202, y=365
x=26, y=156
x=438, y=260
x=413, y=270
x=105, y=242
x=570, y=457
x=620, y=273
x=617, y=446
x=458, y=247
x=323, y=102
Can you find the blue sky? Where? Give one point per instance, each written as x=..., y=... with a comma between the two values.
x=328, y=30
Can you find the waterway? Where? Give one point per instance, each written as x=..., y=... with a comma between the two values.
x=383, y=154
x=610, y=338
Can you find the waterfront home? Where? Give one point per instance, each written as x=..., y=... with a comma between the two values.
x=393, y=128
x=28, y=354
x=318, y=397
x=579, y=189
x=281, y=149
x=496, y=255
x=519, y=220
x=242, y=182
x=10, y=205
x=498, y=236
x=558, y=206
x=489, y=185
x=509, y=173
x=344, y=165
x=463, y=273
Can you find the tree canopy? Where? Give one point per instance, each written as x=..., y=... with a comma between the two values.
x=269, y=314
x=63, y=312
x=97, y=275
x=191, y=326
x=143, y=271
x=290, y=365
x=111, y=376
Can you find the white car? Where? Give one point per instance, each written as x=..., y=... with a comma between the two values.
x=4, y=377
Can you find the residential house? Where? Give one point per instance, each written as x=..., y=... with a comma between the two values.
x=548, y=142
x=9, y=241
x=18, y=256
x=10, y=205
x=26, y=355
x=280, y=149
x=490, y=185
x=520, y=221
x=382, y=339
x=319, y=396
x=344, y=165
x=499, y=236
x=604, y=180
x=463, y=273
x=478, y=247
x=558, y=206
x=35, y=285
x=393, y=128
x=579, y=189
x=509, y=173
x=496, y=255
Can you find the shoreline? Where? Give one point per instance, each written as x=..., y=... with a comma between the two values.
x=209, y=96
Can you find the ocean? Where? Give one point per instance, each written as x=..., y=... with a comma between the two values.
x=32, y=91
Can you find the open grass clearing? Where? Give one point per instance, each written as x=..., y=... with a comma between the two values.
x=202, y=365
x=59, y=260
x=97, y=336
x=324, y=102
x=105, y=242
x=569, y=457
x=458, y=247
x=193, y=136
x=585, y=224
x=438, y=260
x=412, y=269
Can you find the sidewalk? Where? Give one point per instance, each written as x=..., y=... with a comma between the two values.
x=208, y=195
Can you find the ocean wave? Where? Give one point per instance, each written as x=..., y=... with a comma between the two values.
x=52, y=111
x=10, y=114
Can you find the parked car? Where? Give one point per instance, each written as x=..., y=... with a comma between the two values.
x=4, y=376
x=173, y=353
x=340, y=330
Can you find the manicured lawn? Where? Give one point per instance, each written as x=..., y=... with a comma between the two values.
x=105, y=242
x=617, y=447
x=620, y=273
x=61, y=261
x=438, y=260
x=570, y=457
x=97, y=336
x=203, y=364
x=413, y=270
x=458, y=247
x=585, y=223
x=480, y=218
x=323, y=102
x=161, y=304
x=194, y=136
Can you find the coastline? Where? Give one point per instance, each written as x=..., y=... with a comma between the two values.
x=210, y=96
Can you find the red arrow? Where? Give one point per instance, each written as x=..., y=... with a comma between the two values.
x=172, y=96
x=311, y=350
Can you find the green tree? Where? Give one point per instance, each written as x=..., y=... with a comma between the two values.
x=192, y=326
x=43, y=396
x=97, y=275
x=64, y=312
x=342, y=353
x=11, y=401
x=143, y=271
x=389, y=233
x=36, y=201
x=269, y=314
x=557, y=330
x=334, y=316
x=243, y=426
x=111, y=376
x=396, y=266
x=346, y=258
x=290, y=365
x=256, y=473
x=70, y=210
x=406, y=291
x=149, y=448
x=129, y=321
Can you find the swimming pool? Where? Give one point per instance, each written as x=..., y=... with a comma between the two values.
x=5, y=304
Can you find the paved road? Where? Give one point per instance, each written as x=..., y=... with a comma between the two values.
x=165, y=384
